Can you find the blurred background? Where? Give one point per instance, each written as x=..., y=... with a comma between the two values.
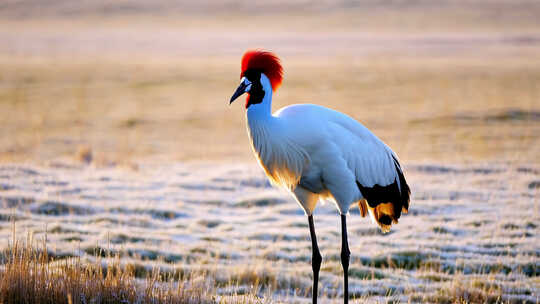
x=122, y=81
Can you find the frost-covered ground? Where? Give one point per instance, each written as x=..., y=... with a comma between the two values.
x=472, y=231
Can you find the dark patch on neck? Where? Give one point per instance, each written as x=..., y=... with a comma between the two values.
x=256, y=94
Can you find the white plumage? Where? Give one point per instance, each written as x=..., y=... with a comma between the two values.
x=312, y=143
x=318, y=153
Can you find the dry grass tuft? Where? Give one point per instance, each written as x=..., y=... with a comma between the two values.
x=30, y=275
x=473, y=291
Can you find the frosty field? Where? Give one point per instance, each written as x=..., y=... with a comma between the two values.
x=472, y=230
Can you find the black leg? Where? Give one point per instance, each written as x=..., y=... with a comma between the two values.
x=345, y=254
x=315, y=259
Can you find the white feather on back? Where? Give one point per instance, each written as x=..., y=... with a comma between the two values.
x=369, y=157
x=320, y=144
x=329, y=136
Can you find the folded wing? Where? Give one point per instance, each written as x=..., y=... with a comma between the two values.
x=379, y=175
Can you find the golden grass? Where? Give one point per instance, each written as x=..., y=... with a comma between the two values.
x=434, y=80
x=30, y=275
x=153, y=80
x=468, y=291
x=425, y=109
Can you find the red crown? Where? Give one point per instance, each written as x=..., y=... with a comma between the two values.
x=266, y=62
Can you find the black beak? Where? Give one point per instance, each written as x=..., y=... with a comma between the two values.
x=239, y=91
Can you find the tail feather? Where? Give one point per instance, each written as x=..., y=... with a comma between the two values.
x=386, y=203
x=384, y=216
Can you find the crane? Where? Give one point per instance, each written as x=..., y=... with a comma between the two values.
x=318, y=153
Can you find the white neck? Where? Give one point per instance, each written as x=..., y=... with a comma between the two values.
x=282, y=159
